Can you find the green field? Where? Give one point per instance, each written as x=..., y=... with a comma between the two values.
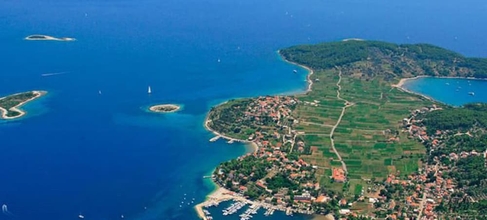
x=362, y=137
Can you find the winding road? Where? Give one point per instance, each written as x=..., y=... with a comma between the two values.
x=344, y=108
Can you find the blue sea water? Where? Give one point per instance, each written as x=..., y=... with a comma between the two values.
x=451, y=91
x=103, y=156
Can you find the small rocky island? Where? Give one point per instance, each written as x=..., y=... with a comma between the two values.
x=165, y=108
x=10, y=105
x=46, y=37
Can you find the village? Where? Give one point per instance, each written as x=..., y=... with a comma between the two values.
x=276, y=177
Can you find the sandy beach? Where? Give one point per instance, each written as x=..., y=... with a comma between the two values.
x=400, y=86
x=401, y=82
x=17, y=107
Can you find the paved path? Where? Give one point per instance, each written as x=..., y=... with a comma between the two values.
x=344, y=108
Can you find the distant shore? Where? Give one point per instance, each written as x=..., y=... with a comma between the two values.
x=47, y=37
x=353, y=39
x=16, y=108
x=165, y=108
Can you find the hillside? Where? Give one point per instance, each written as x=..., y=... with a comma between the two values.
x=346, y=138
x=371, y=58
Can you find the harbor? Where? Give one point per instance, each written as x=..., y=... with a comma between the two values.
x=224, y=204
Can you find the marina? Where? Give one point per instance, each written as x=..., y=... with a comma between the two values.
x=249, y=212
x=233, y=208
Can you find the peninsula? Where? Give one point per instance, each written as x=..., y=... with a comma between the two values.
x=10, y=105
x=165, y=108
x=354, y=145
x=46, y=37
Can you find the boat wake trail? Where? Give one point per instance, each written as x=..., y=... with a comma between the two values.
x=6, y=212
x=53, y=74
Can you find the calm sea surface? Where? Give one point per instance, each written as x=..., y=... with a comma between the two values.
x=451, y=91
x=103, y=156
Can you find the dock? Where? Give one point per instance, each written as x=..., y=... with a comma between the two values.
x=213, y=139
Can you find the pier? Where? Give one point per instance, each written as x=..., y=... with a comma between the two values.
x=213, y=139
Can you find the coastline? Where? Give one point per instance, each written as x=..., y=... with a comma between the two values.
x=400, y=86
x=308, y=77
x=221, y=194
x=16, y=108
x=252, y=144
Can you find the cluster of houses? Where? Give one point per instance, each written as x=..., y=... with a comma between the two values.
x=274, y=146
x=412, y=127
x=432, y=188
x=417, y=198
x=273, y=107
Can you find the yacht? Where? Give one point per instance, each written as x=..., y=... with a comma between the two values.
x=295, y=71
x=81, y=216
x=149, y=90
x=471, y=93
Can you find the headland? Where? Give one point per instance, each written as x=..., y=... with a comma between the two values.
x=351, y=141
x=10, y=105
x=47, y=37
x=165, y=108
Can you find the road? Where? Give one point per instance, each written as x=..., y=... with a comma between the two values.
x=344, y=108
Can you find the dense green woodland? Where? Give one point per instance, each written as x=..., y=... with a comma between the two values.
x=463, y=118
x=375, y=57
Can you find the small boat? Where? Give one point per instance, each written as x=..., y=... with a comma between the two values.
x=149, y=90
x=295, y=71
x=99, y=92
x=219, y=60
x=471, y=93
x=81, y=216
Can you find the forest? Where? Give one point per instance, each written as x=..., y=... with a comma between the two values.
x=373, y=57
x=460, y=118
